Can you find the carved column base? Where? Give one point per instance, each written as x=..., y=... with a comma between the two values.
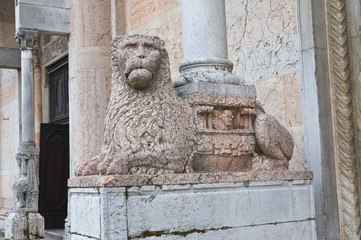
x=24, y=226
x=226, y=138
x=26, y=187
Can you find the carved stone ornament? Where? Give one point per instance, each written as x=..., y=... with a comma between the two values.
x=149, y=129
x=345, y=137
x=25, y=37
x=26, y=187
x=235, y=135
x=54, y=48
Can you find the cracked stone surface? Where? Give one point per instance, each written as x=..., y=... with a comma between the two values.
x=194, y=206
x=273, y=57
x=251, y=21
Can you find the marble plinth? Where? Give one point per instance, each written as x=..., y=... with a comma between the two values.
x=24, y=226
x=193, y=206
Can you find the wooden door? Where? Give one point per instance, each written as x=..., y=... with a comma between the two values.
x=59, y=92
x=53, y=174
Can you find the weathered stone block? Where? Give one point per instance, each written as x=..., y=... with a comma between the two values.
x=85, y=211
x=275, y=209
x=24, y=226
x=44, y=18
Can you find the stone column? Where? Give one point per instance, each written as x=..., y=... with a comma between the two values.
x=206, y=67
x=24, y=222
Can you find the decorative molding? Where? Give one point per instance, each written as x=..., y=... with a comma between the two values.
x=54, y=49
x=345, y=141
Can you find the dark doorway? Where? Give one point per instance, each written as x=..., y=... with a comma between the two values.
x=54, y=150
x=54, y=173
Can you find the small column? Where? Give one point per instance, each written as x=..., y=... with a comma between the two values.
x=27, y=95
x=206, y=67
x=24, y=221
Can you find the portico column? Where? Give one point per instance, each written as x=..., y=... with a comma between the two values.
x=206, y=67
x=27, y=94
x=24, y=221
x=204, y=30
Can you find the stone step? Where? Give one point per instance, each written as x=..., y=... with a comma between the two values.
x=54, y=234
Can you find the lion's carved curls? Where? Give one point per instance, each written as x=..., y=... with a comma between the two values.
x=148, y=128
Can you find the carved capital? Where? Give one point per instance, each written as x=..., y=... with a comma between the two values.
x=26, y=38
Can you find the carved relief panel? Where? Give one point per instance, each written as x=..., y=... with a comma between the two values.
x=226, y=135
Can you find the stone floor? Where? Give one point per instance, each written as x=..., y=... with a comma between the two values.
x=53, y=234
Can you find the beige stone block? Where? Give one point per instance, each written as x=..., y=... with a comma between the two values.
x=8, y=93
x=292, y=99
x=171, y=33
x=270, y=94
x=97, y=57
x=298, y=162
x=8, y=86
x=6, y=192
x=91, y=23
x=89, y=94
x=250, y=21
x=10, y=128
x=142, y=11
x=8, y=202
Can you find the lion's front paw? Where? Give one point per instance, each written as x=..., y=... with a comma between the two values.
x=115, y=165
x=118, y=166
x=86, y=168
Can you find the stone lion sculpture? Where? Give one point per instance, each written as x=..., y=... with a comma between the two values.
x=274, y=146
x=149, y=129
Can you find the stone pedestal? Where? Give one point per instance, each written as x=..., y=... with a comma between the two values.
x=24, y=226
x=263, y=205
x=225, y=131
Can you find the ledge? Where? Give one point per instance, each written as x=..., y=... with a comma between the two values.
x=190, y=178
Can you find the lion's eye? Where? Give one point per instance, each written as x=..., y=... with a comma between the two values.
x=130, y=46
x=150, y=47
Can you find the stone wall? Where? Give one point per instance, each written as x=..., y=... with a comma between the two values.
x=262, y=43
x=10, y=136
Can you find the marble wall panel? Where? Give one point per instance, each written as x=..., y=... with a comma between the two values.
x=281, y=98
x=171, y=33
x=251, y=21
x=273, y=57
x=142, y=11
x=90, y=22
x=6, y=193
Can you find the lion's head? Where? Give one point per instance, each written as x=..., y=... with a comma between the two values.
x=138, y=59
